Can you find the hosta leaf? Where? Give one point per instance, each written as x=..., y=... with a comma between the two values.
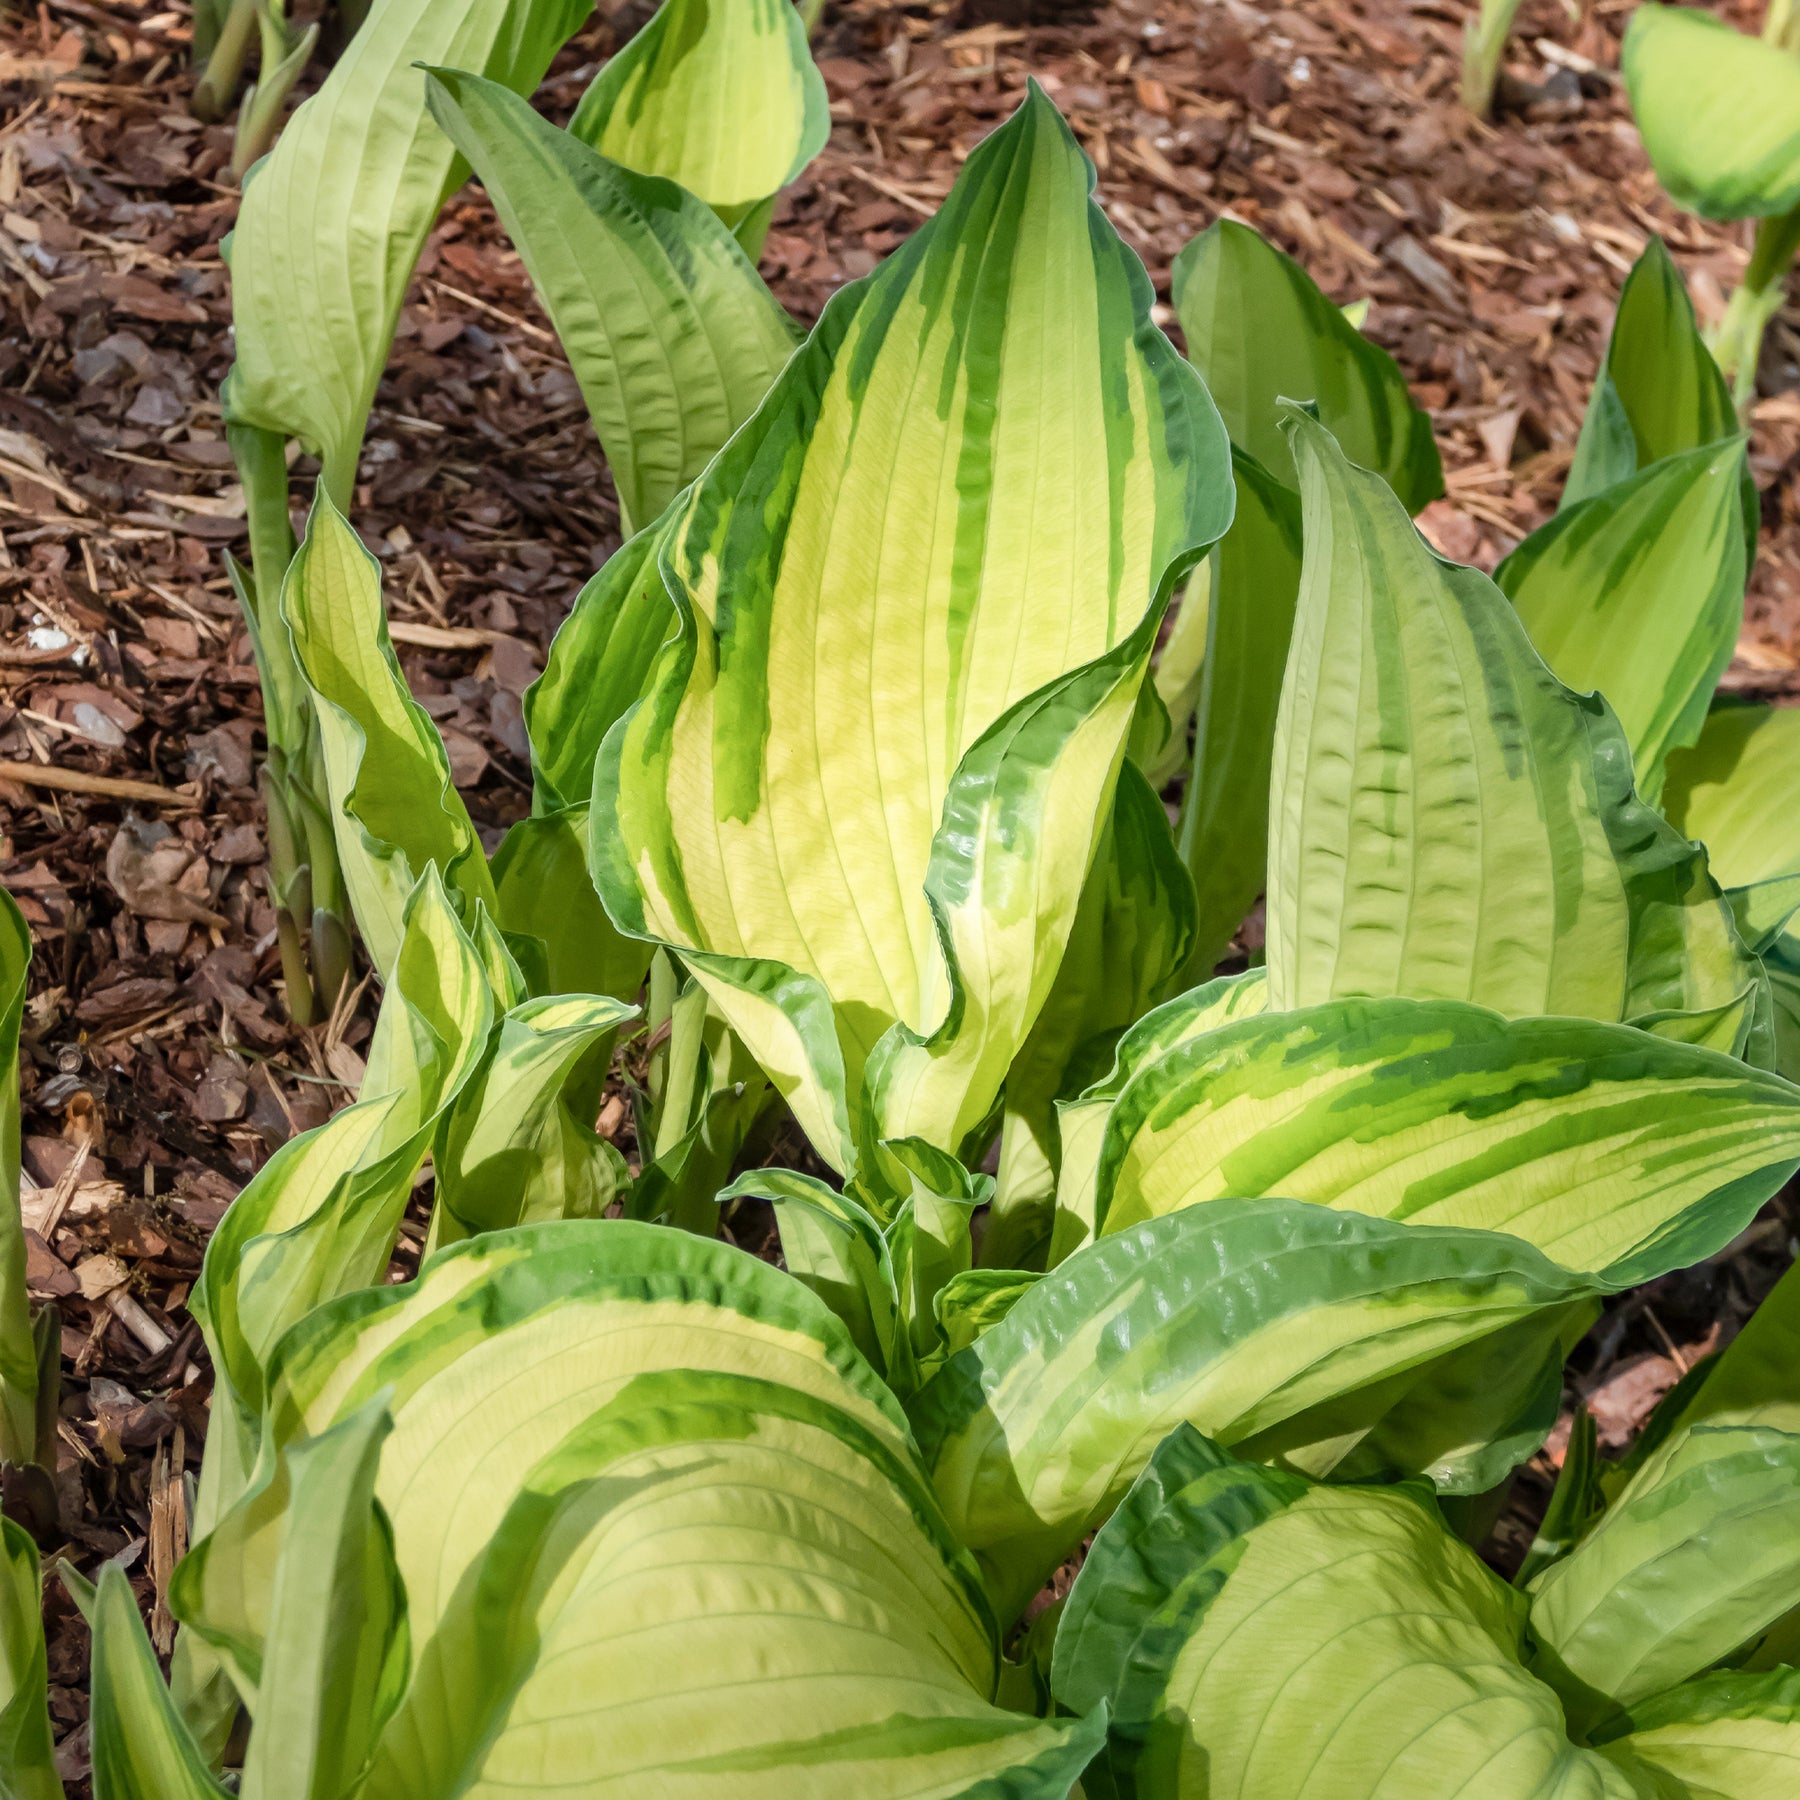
x=867, y=784
x=1259, y=330
x=721, y=96
x=140, y=1747
x=1257, y=1638
x=599, y=661
x=1639, y=593
x=542, y=892
x=334, y=217
x=658, y=1525
x=320, y=1217
x=1130, y=938
x=1239, y=1318
x=1734, y=791
x=1564, y=1132
x=1725, y=1736
x=1658, y=392
x=1719, y=112
x=336, y=1658
x=517, y=1143
x=18, y=1347
x=667, y=326
x=1697, y=1555
x=27, y=1760
x=1449, y=820
x=837, y=1248
x=1082, y=1121
x=395, y=809
x=1224, y=826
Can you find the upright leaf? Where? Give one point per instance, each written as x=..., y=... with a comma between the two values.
x=1719, y=112
x=18, y=1343
x=1639, y=593
x=1131, y=937
x=1734, y=791
x=140, y=1747
x=395, y=808
x=27, y=1759
x=333, y=219
x=1436, y=825
x=1260, y=331
x=320, y=1217
x=1658, y=393
x=1223, y=830
x=518, y=1142
x=669, y=330
x=917, y=591
x=542, y=893
x=335, y=1662
x=599, y=661
x=721, y=96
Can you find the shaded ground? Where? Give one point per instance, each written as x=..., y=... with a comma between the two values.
x=158, y=1070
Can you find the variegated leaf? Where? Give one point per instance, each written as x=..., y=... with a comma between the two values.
x=867, y=784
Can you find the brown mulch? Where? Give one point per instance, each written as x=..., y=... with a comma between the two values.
x=158, y=1069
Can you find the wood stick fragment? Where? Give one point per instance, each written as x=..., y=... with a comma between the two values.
x=109, y=787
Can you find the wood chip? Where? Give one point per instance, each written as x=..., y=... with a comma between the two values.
x=109, y=787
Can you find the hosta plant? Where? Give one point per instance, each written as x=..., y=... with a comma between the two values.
x=1247, y=1628
x=671, y=333
x=1719, y=113
x=873, y=770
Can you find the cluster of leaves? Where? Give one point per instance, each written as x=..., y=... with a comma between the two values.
x=847, y=772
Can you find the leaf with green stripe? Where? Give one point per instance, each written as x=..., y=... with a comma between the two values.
x=320, y=1217
x=918, y=592
x=1259, y=1638
x=27, y=1751
x=19, y=1421
x=546, y=906
x=1659, y=391
x=1726, y=1736
x=658, y=1524
x=1081, y=1122
x=336, y=1661
x=1449, y=821
x=141, y=1749
x=333, y=219
x=1260, y=331
x=1130, y=939
x=1734, y=792
x=395, y=808
x=1223, y=830
x=721, y=96
x=1243, y=1318
x=599, y=662
x=1719, y=112
x=1639, y=593
x=1607, y=1148
x=667, y=326
x=1692, y=1561
x=517, y=1143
